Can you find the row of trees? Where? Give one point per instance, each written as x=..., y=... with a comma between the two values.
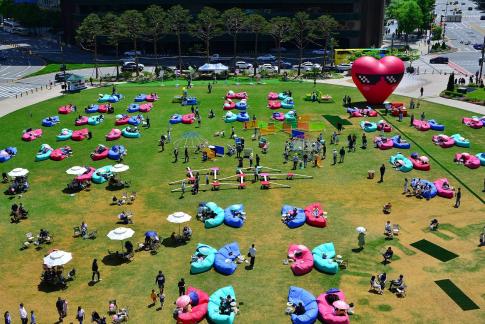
x=30, y=15
x=411, y=14
x=155, y=22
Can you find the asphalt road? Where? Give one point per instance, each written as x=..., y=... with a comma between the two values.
x=470, y=29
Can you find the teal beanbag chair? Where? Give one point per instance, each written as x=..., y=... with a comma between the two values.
x=205, y=255
x=327, y=264
x=219, y=215
x=215, y=302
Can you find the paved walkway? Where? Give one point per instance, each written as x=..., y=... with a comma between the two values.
x=410, y=87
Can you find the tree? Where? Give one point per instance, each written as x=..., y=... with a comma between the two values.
x=301, y=30
x=155, y=17
x=427, y=8
x=178, y=20
x=112, y=30
x=279, y=29
x=133, y=25
x=207, y=26
x=256, y=24
x=393, y=8
x=409, y=17
x=234, y=20
x=87, y=35
x=323, y=29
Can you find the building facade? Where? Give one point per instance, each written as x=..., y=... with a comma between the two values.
x=361, y=20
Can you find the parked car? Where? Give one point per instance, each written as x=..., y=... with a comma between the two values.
x=131, y=66
x=214, y=58
x=478, y=46
x=243, y=65
x=62, y=77
x=268, y=67
x=266, y=58
x=286, y=65
x=320, y=51
x=482, y=17
x=344, y=67
x=439, y=60
x=308, y=66
x=470, y=8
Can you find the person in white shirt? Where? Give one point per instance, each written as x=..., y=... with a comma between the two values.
x=252, y=256
x=23, y=314
x=80, y=315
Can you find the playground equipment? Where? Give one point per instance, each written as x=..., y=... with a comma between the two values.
x=266, y=179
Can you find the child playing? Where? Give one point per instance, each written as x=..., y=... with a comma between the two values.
x=161, y=298
x=153, y=297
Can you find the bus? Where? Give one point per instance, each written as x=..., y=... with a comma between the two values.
x=9, y=25
x=342, y=56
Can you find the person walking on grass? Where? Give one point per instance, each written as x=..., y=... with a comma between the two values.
x=334, y=154
x=80, y=316
x=342, y=155
x=252, y=256
x=361, y=240
x=181, y=286
x=209, y=88
x=33, y=320
x=182, y=189
x=421, y=91
x=175, y=155
x=411, y=122
x=169, y=135
x=295, y=161
x=148, y=122
x=160, y=280
x=186, y=155
x=23, y=314
x=458, y=198
x=382, y=171
x=95, y=269
x=161, y=298
x=257, y=160
x=406, y=184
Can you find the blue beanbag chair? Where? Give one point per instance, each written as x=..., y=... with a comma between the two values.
x=298, y=295
x=326, y=264
x=218, y=219
x=213, y=311
x=230, y=217
x=133, y=108
x=428, y=194
x=175, y=119
x=50, y=121
x=433, y=124
x=135, y=121
x=116, y=152
x=297, y=221
x=398, y=143
x=141, y=97
x=225, y=257
x=92, y=109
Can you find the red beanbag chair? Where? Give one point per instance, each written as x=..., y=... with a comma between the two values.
x=199, y=310
x=314, y=215
x=303, y=257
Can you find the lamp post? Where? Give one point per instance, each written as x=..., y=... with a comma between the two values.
x=481, y=61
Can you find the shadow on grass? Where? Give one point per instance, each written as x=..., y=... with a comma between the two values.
x=171, y=243
x=48, y=288
x=113, y=260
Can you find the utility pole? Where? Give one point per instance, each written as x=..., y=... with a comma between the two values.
x=444, y=21
x=481, y=61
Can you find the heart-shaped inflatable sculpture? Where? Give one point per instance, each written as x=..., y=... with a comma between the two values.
x=377, y=79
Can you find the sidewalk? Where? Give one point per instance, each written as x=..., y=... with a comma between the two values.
x=410, y=87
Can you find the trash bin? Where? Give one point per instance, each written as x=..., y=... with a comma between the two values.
x=370, y=174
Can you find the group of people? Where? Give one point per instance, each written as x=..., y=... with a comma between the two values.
x=378, y=284
x=289, y=216
x=18, y=212
x=18, y=186
x=228, y=305
x=420, y=188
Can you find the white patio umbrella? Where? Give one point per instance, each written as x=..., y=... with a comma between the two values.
x=361, y=229
x=117, y=168
x=57, y=258
x=18, y=172
x=120, y=234
x=76, y=170
x=179, y=218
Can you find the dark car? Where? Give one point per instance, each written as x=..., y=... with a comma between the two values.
x=482, y=17
x=478, y=46
x=131, y=66
x=439, y=60
x=62, y=77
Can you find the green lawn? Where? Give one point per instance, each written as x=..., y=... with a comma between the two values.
x=55, y=67
x=350, y=199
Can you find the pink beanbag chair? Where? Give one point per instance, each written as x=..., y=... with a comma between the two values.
x=103, y=109
x=473, y=122
x=188, y=118
x=383, y=126
x=151, y=98
x=86, y=176
x=113, y=134
x=314, y=215
x=229, y=105
x=274, y=104
x=64, y=110
x=123, y=120
x=303, y=259
x=442, y=192
x=443, y=140
x=272, y=96
x=418, y=164
x=81, y=121
x=80, y=134
x=199, y=310
x=469, y=160
x=326, y=311
x=32, y=135
x=146, y=107
x=421, y=125
x=384, y=144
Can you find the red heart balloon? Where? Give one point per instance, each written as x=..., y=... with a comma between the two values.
x=377, y=79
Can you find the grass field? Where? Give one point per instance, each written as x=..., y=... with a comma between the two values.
x=350, y=199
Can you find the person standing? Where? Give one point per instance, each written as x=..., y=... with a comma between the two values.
x=209, y=88
x=181, y=286
x=361, y=240
x=80, y=316
x=33, y=320
x=7, y=317
x=186, y=155
x=406, y=184
x=23, y=314
x=411, y=122
x=382, y=170
x=182, y=188
x=342, y=155
x=295, y=161
x=252, y=256
x=148, y=122
x=401, y=114
x=232, y=132
x=175, y=155
x=257, y=160
x=421, y=91
x=423, y=116
x=324, y=151
x=160, y=280
x=364, y=141
x=334, y=153
x=95, y=270
x=162, y=143
x=199, y=120
x=59, y=307
x=90, y=135
x=458, y=198
x=251, y=160
x=305, y=159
